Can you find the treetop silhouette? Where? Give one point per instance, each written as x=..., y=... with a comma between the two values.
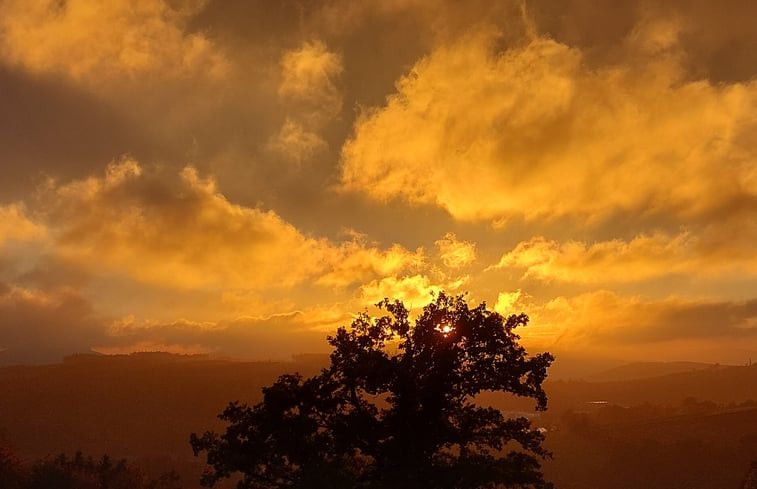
x=395, y=408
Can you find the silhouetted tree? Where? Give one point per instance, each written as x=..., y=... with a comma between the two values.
x=396, y=408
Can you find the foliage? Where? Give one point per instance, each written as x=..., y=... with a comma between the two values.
x=396, y=408
x=77, y=472
x=750, y=482
x=12, y=475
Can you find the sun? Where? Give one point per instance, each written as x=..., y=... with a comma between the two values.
x=444, y=328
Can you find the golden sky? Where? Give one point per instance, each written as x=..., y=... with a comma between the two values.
x=239, y=178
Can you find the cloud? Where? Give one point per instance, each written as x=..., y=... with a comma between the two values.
x=15, y=225
x=541, y=134
x=627, y=145
x=296, y=143
x=274, y=337
x=718, y=39
x=182, y=232
x=43, y=325
x=455, y=253
x=609, y=320
x=156, y=245
x=414, y=291
x=508, y=302
x=644, y=257
x=609, y=317
x=95, y=41
x=358, y=263
x=724, y=247
x=21, y=239
x=310, y=92
x=309, y=76
x=179, y=232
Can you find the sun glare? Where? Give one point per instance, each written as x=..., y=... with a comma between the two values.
x=444, y=329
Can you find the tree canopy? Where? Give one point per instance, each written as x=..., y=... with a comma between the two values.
x=397, y=407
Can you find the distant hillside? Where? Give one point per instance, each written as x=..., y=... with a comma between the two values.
x=36, y=356
x=643, y=370
x=730, y=384
x=718, y=384
x=139, y=406
x=712, y=450
x=144, y=406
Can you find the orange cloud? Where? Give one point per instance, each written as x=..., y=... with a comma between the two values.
x=607, y=317
x=509, y=302
x=542, y=135
x=309, y=76
x=645, y=257
x=415, y=290
x=183, y=233
x=296, y=143
x=633, y=327
x=357, y=262
x=95, y=41
x=720, y=248
x=309, y=87
x=273, y=337
x=16, y=225
x=455, y=253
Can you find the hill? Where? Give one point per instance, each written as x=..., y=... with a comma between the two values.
x=643, y=370
x=141, y=407
x=712, y=449
x=144, y=406
x=717, y=384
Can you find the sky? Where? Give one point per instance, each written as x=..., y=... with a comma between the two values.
x=240, y=178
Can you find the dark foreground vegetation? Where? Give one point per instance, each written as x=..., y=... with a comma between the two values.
x=78, y=472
